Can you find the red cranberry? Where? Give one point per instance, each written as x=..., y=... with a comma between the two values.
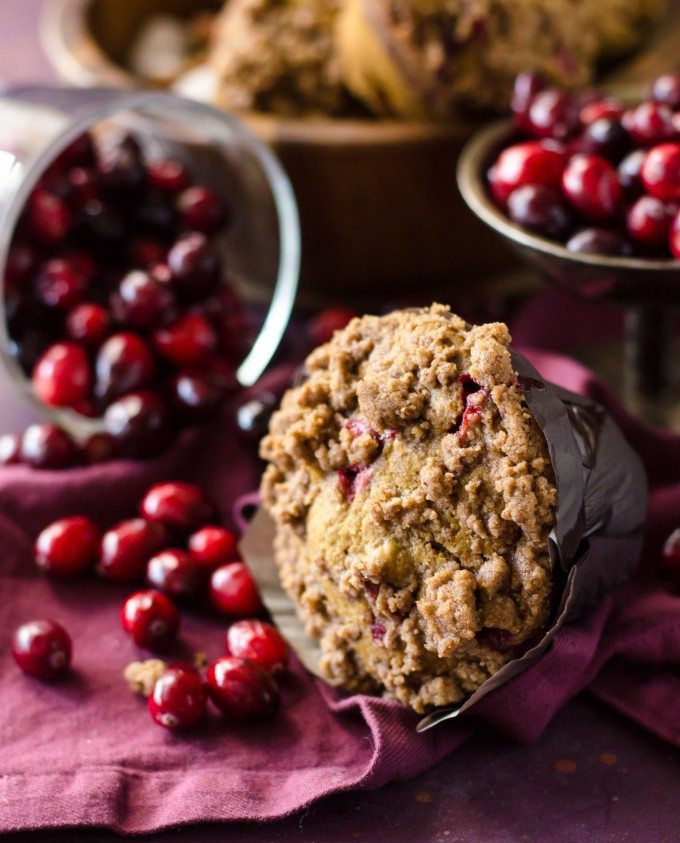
x=670, y=560
x=178, y=700
x=189, y=339
x=539, y=208
x=62, y=376
x=213, y=546
x=201, y=209
x=62, y=282
x=124, y=363
x=140, y=423
x=196, y=394
x=88, y=323
x=674, y=238
x=195, y=266
x=68, y=547
x=598, y=109
x=47, y=446
x=527, y=85
x=649, y=221
x=553, y=114
x=531, y=162
x=84, y=184
x=168, y=175
x=42, y=649
x=140, y=300
x=600, y=241
x=102, y=224
x=48, y=217
x=233, y=591
x=605, y=137
x=10, y=449
x=182, y=507
x=259, y=642
x=175, y=573
x=151, y=619
x=591, y=185
x=661, y=171
x=252, y=417
x=126, y=548
x=320, y=328
x=98, y=448
x=630, y=173
x=120, y=167
x=242, y=690
x=79, y=153
x=21, y=262
x=144, y=252
x=650, y=123
x=666, y=89
x=156, y=217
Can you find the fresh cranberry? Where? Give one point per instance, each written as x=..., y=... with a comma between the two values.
x=124, y=363
x=674, y=238
x=79, y=153
x=605, y=137
x=591, y=185
x=155, y=216
x=233, y=591
x=84, y=183
x=553, y=114
x=21, y=262
x=252, y=417
x=650, y=123
x=598, y=109
x=670, y=560
x=48, y=217
x=178, y=700
x=600, y=241
x=120, y=166
x=151, y=619
x=140, y=423
x=168, y=175
x=178, y=506
x=145, y=252
x=201, y=209
x=242, y=690
x=175, y=573
x=527, y=86
x=187, y=340
x=196, y=394
x=531, y=162
x=630, y=173
x=541, y=209
x=259, y=642
x=666, y=89
x=62, y=376
x=140, y=300
x=10, y=449
x=126, y=548
x=98, y=448
x=102, y=224
x=195, y=266
x=649, y=221
x=42, y=649
x=47, y=446
x=661, y=172
x=320, y=328
x=68, y=547
x=62, y=282
x=213, y=546
x=88, y=323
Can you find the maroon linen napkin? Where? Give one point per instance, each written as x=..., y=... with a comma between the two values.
x=84, y=752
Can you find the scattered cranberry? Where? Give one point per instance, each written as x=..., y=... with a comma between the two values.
x=201, y=209
x=670, y=559
x=532, y=162
x=126, y=548
x=140, y=423
x=48, y=217
x=666, y=90
x=141, y=301
x=233, y=591
x=259, y=642
x=168, y=175
x=591, y=185
x=600, y=241
x=124, y=363
x=175, y=573
x=68, y=547
x=213, y=546
x=88, y=323
x=242, y=690
x=151, y=619
x=47, y=446
x=178, y=700
x=541, y=209
x=62, y=282
x=661, y=172
x=649, y=221
x=195, y=266
x=10, y=449
x=62, y=376
x=42, y=649
x=182, y=507
x=650, y=123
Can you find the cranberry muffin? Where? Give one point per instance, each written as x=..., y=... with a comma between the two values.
x=413, y=495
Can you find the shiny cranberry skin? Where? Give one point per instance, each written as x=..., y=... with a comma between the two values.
x=661, y=172
x=600, y=241
x=10, y=449
x=62, y=377
x=62, y=282
x=670, y=560
x=649, y=123
x=178, y=700
x=233, y=591
x=241, y=690
x=151, y=619
x=196, y=394
x=68, y=547
x=42, y=649
x=598, y=109
x=175, y=573
x=591, y=185
x=213, y=546
x=531, y=162
x=124, y=363
x=630, y=173
x=98, y=448
x=47, y=446
x=88, y=323
x=182, y=507
x=188, y=340
x=195, y=266
x=674, y=238
x=49, y=218
x=649, y=221
x=126, y=548
x=320, y=328
x=527, y=86
x=141, y=301
x=201, y=209
x=259, y=642
x=141, y=424
x=541, y=209
x=168, y=175
x=666, y=89
x=553, y=114
x=605, y=137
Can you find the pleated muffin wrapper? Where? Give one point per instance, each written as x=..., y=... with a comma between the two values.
x=594, y=545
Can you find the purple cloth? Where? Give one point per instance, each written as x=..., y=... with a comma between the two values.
x=84, y=752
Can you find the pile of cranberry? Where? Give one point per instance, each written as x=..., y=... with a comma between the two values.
x=595, y=175
x=115, y=292
x=185, y=560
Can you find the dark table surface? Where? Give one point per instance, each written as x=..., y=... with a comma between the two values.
x=591, y=776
